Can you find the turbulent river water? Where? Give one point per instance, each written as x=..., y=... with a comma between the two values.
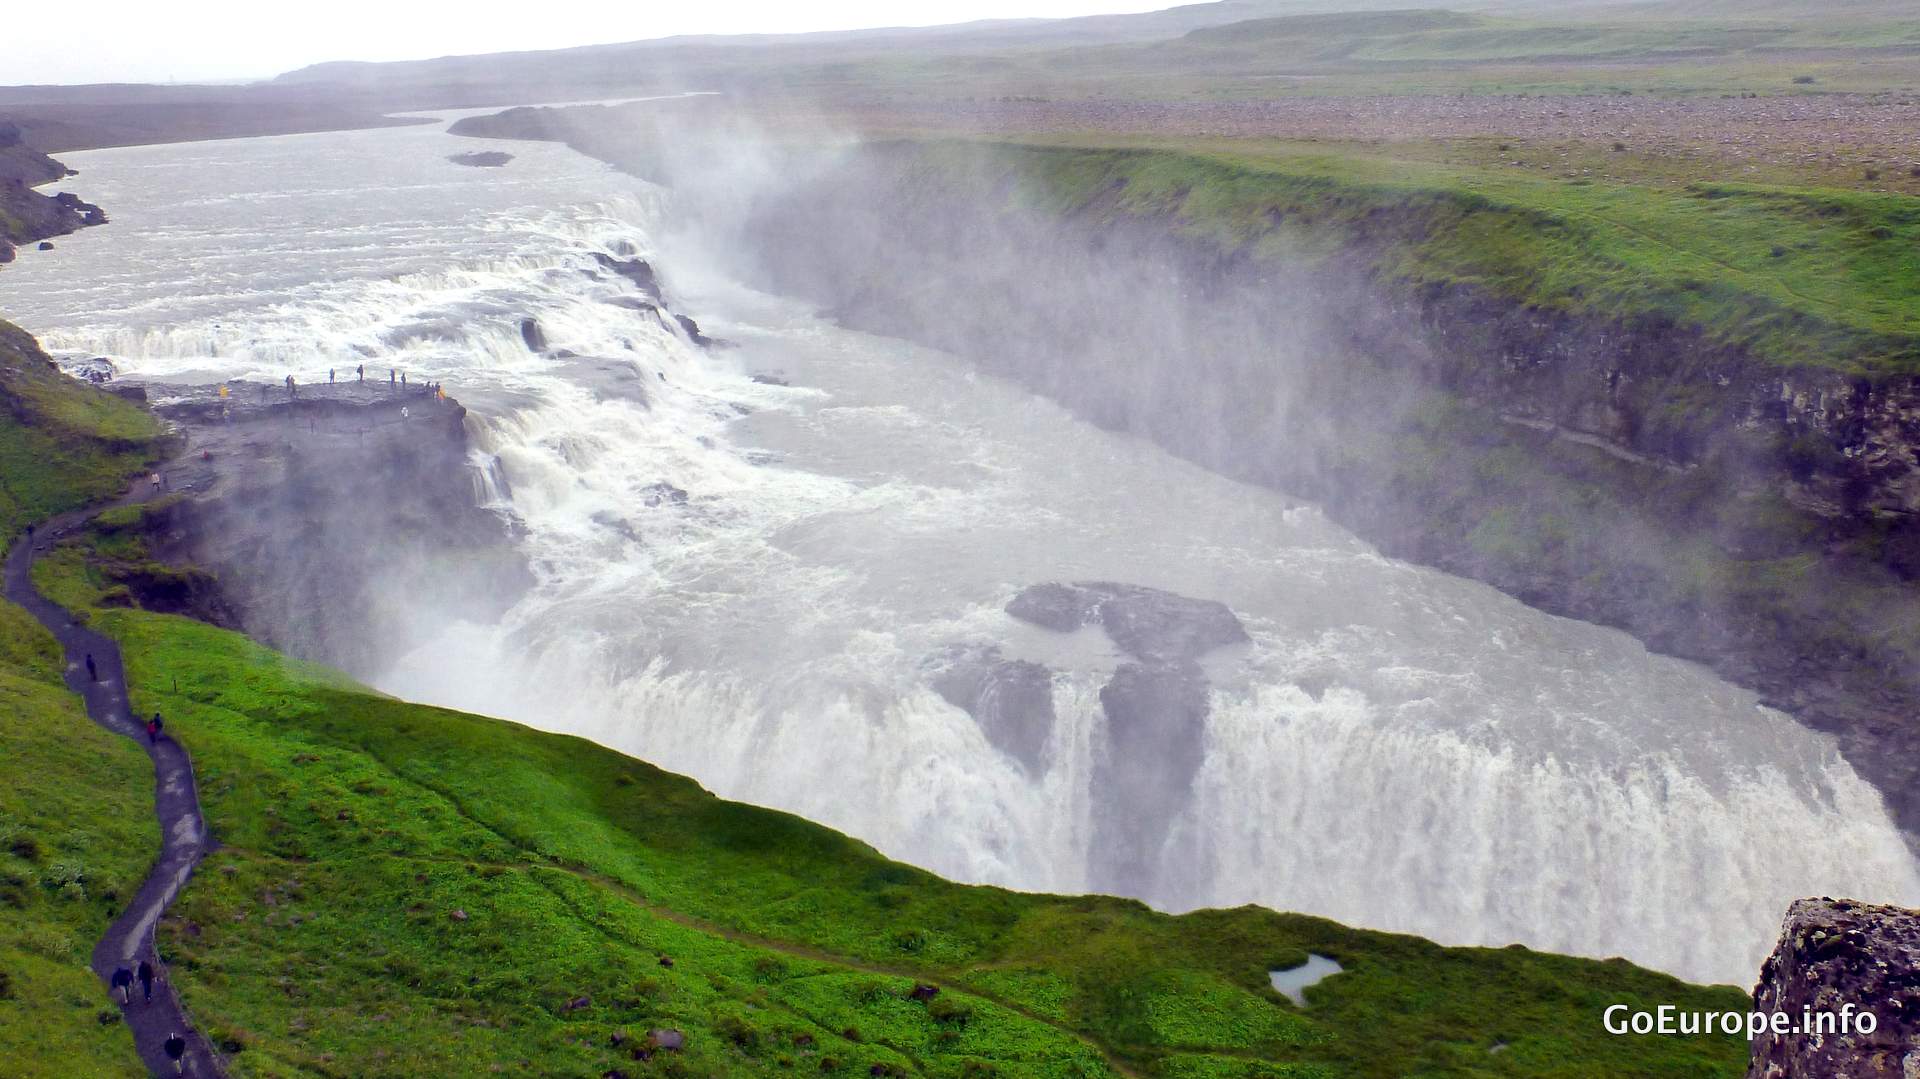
x=1395, y=748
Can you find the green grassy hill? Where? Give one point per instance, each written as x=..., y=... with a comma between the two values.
x=403, y=890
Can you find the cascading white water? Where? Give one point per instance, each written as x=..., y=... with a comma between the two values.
x=1395, y=748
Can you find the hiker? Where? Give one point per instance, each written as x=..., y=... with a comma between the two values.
x=403, y=412
x=153, y=730
x=123, y=981
x=361, y=372
x=291, y=391
x=93, y=673
x=329, y=376
x=176, y=1047
x=155, y=478
x=392, y=374
x=145, y=974
x=403, y=380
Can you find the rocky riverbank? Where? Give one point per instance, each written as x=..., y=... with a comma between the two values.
x=26, y=215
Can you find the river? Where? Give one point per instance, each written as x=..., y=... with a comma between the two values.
x=1395, y=748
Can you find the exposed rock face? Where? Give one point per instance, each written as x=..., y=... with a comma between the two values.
x=1155, y=742
x=636, y=270
x=1156, y=709
x=1011, y=699
x=343, y=523
x=1834, y=954
x=692, y=330
x=1152, y=626
x=531, y=333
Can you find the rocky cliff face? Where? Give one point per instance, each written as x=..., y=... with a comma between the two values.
x=1759, y=519
x=1836, y=958
x=343, y=523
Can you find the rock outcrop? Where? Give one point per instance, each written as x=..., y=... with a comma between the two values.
x=1011, y=699
x=1152, y=626
x=637, y=270
x=532, y=335
x=1838, y=958
x=1154, y=740
x=27, y=216
x=342, y=523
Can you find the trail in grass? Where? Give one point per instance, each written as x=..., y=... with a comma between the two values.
x=183, y=833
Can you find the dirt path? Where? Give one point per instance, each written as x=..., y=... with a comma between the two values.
x=183, y=833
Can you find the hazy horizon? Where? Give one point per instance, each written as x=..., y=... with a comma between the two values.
x=227, y=41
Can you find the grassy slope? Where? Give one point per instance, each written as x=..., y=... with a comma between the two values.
x=1794, y=276
x=322, y=938
x=62, y=443
x=76, y=823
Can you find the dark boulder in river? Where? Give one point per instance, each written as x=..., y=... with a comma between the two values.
x=481, y=159
x=530, y=332
x=637, y=271
x=692, y=330
x=1148, y=624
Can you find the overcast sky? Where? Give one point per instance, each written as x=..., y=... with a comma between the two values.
x=189, y=40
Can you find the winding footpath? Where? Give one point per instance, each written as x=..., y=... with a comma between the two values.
x=183, y=832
